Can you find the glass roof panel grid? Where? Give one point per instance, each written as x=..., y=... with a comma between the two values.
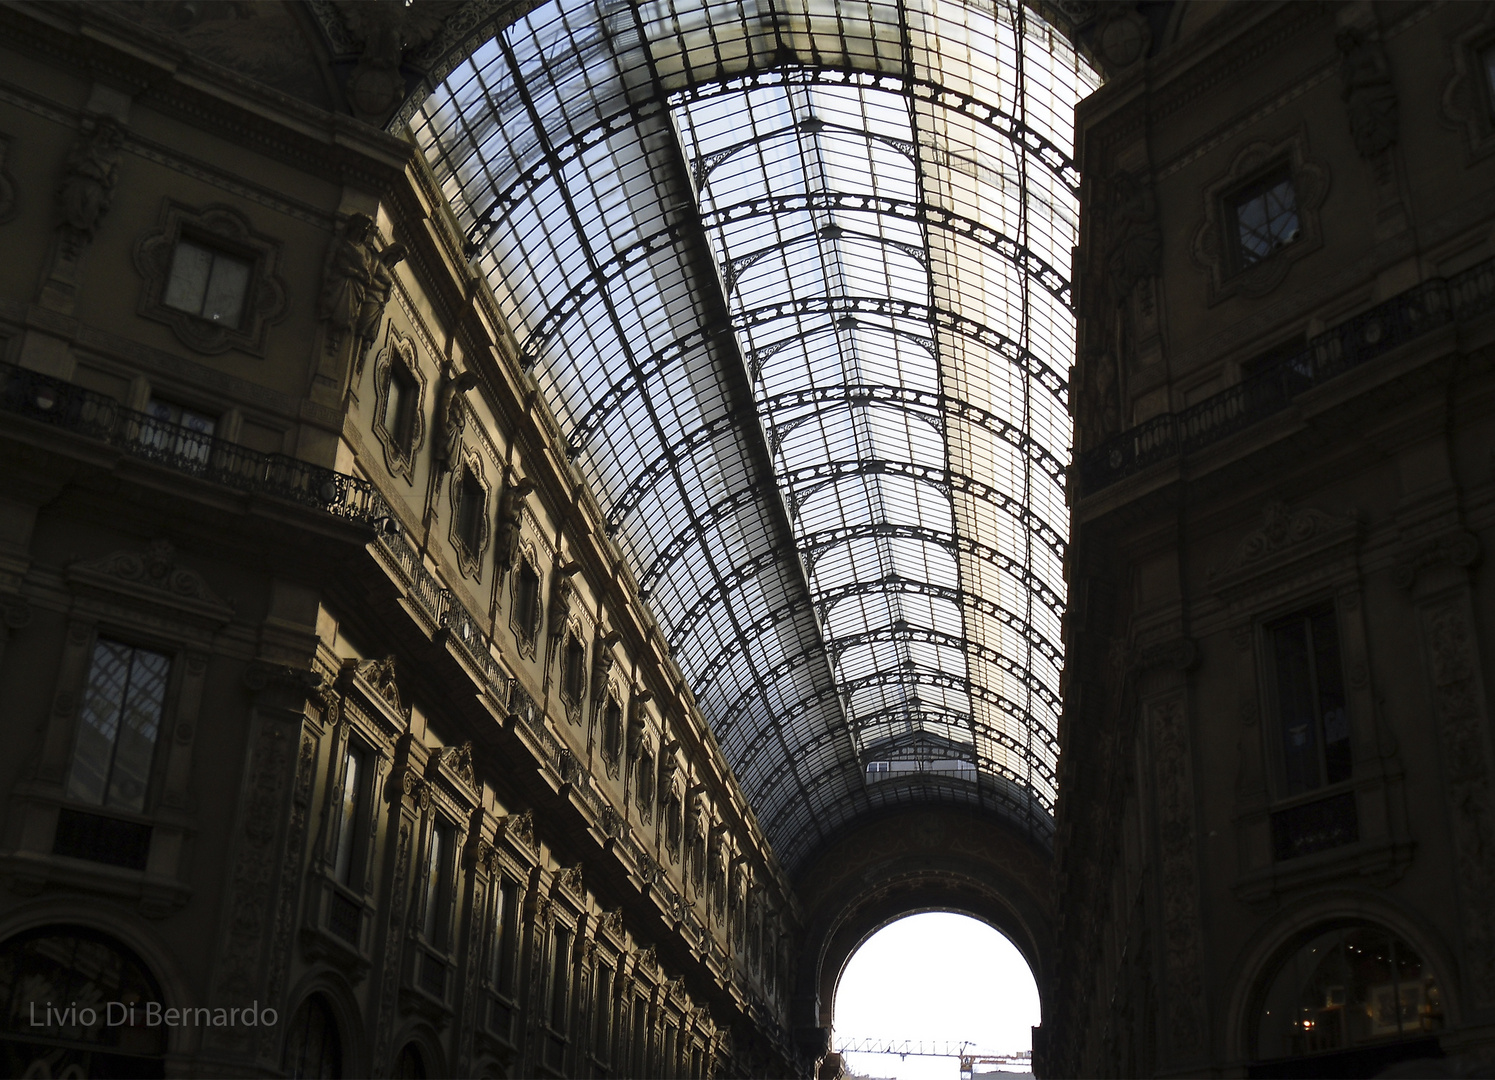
x=864, y=235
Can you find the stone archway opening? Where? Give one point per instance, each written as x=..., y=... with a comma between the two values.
x=934, y=979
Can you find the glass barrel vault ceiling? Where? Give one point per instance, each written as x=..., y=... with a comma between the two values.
x=792, y=275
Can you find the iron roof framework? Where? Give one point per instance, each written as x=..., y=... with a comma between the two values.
x=787, y=273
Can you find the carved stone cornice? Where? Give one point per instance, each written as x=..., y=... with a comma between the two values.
x=1285, y=538
x=1457, y=548
x=155, y=578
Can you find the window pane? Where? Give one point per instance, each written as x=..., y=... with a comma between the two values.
x=1296, y=707
x=98, y=721
x=435, y=885
x=349, y=815
x=227, y=285
x=1332, y=712
x=144, y=702
x=191, y=266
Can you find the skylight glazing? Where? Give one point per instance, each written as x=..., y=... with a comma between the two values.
x=790, y=273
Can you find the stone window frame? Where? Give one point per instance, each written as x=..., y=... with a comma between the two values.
x=573, y=698
x=148, y=600
x=1467, y=101
x=1296, y=559
x=1214, y=247
x=221, y=228
x=469, y=563
x=612, y=759
x=399, y=454
x=527, y=637
x=645, y=778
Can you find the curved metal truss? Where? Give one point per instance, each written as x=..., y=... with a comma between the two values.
x=786, y=299
x=838, y=308
x=926, y=214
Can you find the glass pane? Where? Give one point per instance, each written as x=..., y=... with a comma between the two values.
x=1333, y=712
x=435, y=873
x=98, y=721
x=227, y=286
x=140, y=726
x=1295, y=707
x=187, y=284
x=348, y=814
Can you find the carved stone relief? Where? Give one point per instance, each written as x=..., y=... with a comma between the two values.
x=1179, y=868
x=8, y=203
x=451, y=416
x=219, y=229
x=356, y=284
x=84, y=196
x=1369, y=94
x=1460, y=703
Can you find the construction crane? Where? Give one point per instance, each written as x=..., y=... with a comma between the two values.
x=966, y=1051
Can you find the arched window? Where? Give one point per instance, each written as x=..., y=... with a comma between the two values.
x=1353, y=989
x=410, y=1065
x=78, y=1004
x=314, y=1050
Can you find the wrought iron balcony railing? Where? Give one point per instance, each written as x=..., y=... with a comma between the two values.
x=97, y=416
x=1386, y=326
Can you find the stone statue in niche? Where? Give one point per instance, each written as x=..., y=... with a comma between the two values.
x=87, y=187
x=451, y=415
x=510, y=511
x=1097, y=409
x=1137, y=255
x=1368, y=91
x=357, y=284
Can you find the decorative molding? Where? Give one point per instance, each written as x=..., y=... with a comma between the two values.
x=84, y=196
x=458, y=761
x=1184, y=992
x=153, y=576
x=1214, y=250
x=469, y=563
x=399, y=456
x=220, y=228
x=380, y=675
x=519, y=827
x=1465, y=101
x=1459, y=548
x=526, y=634
x=1284, y=537
x=1459, y=700
x=9, y=206
x=1369, y=95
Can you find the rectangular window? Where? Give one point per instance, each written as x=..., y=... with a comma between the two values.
x=1312, y=715
x=207, y=283
x=439, y=884
x=178, y=430
x=399, y=408
x=1265, y=216
x=470, y=512
x=573, y=675
x=348, y=858
x=118, y=725
x=527, y=600
x=640, y=1035
x=560, y=978
x=602, y=1014
x=505, y=938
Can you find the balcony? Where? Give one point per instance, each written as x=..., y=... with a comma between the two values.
x=1393, y=323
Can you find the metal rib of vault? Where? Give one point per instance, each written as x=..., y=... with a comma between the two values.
x=787, y=274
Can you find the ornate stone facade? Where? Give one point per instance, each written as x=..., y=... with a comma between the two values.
x=1275, y=726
